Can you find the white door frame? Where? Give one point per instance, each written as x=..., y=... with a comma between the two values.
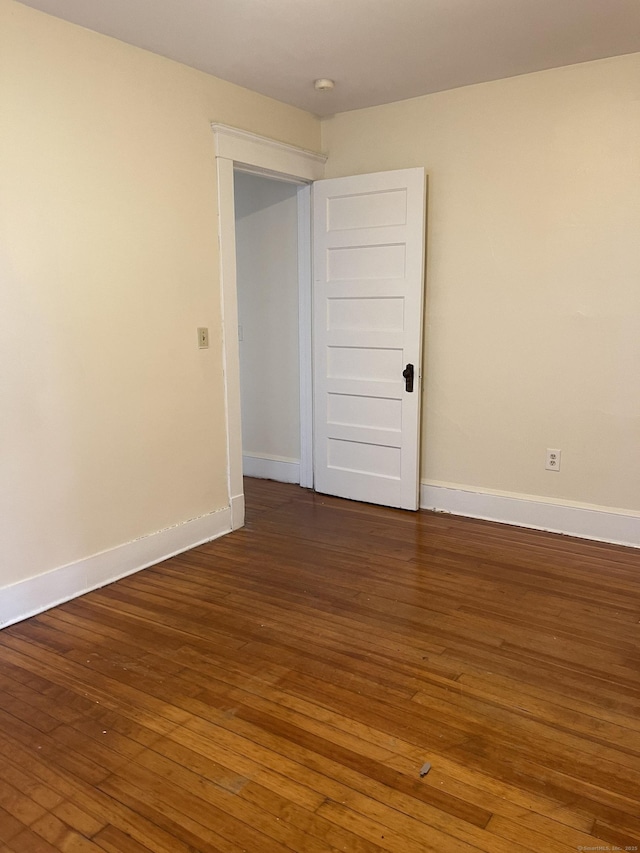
x=238, y=149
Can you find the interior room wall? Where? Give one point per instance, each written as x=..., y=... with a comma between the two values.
x=533, y=265
x=112, y=424
x=267, y=285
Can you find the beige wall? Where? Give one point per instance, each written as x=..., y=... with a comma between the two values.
x=112, y=421
x=267, y=281
x=533, y=275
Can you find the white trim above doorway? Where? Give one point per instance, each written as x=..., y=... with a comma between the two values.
x=236, y=148
x=267, y=157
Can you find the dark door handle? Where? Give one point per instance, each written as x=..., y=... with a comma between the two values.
x=408, y=377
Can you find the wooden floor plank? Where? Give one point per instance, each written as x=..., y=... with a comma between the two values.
x=279, y=689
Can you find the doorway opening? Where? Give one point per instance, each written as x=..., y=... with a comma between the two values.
x=266, y=220
x=238, y=150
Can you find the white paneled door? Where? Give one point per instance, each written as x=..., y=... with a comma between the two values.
x=368, y=296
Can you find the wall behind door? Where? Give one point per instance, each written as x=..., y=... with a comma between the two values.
x=267, y=281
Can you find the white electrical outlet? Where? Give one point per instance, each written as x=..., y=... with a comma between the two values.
x=203, y=337
x=553, y=459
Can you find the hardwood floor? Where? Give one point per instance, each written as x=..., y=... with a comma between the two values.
x=281, y=688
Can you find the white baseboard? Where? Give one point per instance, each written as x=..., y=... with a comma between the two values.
x=32, y=596
x=583, y=520
x=237, y=512
x=271, y=468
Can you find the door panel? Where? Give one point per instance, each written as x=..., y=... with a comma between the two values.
x=368, y=298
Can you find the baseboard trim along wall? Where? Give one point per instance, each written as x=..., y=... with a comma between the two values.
x=34, y=595
x=583, y=520
x=266, y=467
x=237, y=511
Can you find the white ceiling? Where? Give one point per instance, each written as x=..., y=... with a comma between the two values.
x=377, y=51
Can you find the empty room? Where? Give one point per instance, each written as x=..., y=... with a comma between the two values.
x=320, y=426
